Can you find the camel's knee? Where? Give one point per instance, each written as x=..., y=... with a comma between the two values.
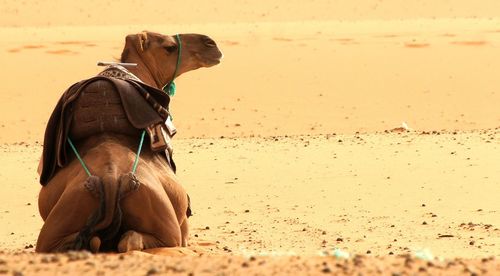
x=173, y=238
x=50, y=246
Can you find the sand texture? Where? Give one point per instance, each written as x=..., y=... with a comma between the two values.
x=293, y=149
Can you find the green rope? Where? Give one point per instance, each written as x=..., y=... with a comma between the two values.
x=134, y=168
x=79, y=158
x=170, y=87
x=136, y=161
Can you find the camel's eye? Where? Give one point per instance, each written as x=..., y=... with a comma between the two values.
x=171, y=48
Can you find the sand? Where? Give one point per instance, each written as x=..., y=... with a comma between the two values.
x=283, y=147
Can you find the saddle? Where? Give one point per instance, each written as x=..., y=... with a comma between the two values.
x=113, y=101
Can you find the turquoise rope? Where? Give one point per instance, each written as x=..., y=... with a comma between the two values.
x=79, y=158
x=136, y=161
x=178, y=64
x=170, y=88
x=134, y=168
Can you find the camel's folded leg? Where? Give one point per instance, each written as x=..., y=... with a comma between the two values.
x=66, y=219
x=149, y=219
x=67, y=243
x=61, y=245
x=133, y=240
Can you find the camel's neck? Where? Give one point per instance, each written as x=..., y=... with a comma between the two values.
x=142, y=71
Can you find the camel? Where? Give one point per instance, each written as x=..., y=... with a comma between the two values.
x=122, y=212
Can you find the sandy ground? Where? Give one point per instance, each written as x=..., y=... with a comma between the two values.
x=282, y=147
x=375, y=195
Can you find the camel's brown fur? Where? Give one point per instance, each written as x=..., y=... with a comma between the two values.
x=156, y=55
x=154, y=215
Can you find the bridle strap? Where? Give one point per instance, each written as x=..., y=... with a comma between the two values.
x=170, y=87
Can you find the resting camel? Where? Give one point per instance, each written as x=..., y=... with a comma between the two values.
x=112, y=210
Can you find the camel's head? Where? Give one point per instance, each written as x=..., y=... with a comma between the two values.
x=156, y=55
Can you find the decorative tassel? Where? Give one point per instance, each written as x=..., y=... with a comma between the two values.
x=170, y=88
x=129, y=183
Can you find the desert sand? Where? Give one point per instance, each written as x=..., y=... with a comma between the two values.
x=290, y=148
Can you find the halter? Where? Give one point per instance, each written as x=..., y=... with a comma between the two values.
x=170, y=87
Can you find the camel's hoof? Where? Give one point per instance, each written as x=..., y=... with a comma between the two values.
x=95, y=244
x=131, y=240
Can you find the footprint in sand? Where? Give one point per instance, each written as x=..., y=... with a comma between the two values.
x=83, y=43
x=344, y=41
x=284, y=39
x=388, y=36
x=61, y=52
x=417, y=45
x=470, y=43
x=33, y=46
x=27, y=47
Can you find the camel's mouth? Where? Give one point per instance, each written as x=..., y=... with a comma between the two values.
x=212, y=62
x=209, y=61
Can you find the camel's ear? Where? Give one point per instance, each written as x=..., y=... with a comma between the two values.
x=138, y=41
x=143, y=40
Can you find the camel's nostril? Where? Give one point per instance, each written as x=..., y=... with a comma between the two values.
x=209, y=42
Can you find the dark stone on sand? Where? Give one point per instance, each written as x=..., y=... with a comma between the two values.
x=152, y=271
